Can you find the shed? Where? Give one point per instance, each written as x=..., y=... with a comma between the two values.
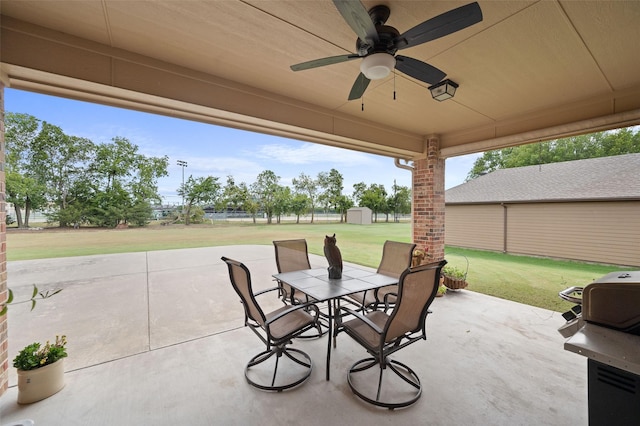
x=359, y=215
x=585, y=210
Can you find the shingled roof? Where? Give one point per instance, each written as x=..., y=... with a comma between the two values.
x=605, y=178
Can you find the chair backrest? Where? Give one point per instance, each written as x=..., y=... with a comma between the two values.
x=241, y=281
x=291, y=255
x=417, y=288
x=396, y=258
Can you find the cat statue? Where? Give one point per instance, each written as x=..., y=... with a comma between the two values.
x=332, y=253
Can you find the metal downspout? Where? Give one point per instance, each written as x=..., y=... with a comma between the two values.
x=504, y=230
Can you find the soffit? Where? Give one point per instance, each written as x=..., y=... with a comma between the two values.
x=530, y=70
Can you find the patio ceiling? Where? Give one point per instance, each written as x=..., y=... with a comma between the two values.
x=530, y=71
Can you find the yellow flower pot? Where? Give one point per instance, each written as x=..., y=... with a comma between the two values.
x=40, y=383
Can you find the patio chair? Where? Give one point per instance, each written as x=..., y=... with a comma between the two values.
x=292, y=255
x=396, y=258
x=383, y=334
x=276, y=330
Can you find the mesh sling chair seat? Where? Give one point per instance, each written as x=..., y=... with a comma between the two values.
x=382, y=334
x=292, y=255
x=396, y=258
x=276, y=330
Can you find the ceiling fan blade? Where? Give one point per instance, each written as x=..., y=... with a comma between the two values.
x=419, y=70
x=323, y=61
x=440, y=26
x=358, y=19
x=359, y=86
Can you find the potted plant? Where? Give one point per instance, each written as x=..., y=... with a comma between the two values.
x=40, y=370
x=454, y=278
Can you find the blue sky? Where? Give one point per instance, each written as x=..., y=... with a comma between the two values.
x=217, y=151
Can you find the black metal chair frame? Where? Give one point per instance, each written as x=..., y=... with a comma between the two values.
x=380, y=353
x=261, y=326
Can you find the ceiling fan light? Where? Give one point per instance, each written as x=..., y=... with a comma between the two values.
x=443, y=90
x=377, y=66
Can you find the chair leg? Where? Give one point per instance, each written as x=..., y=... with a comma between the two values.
x=377, y=396
x=302, y=359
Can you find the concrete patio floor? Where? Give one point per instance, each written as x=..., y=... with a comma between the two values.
x=157, y=338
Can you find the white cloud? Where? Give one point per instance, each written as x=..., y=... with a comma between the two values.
x=311, y=153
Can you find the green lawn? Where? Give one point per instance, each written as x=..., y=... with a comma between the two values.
x=529, y=280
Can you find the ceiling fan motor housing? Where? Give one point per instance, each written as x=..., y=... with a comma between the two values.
x=385, y=43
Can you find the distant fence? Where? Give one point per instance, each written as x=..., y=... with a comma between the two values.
x=230, y=216
x=318, y=217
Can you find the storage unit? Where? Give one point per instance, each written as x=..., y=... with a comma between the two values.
x=359, y=215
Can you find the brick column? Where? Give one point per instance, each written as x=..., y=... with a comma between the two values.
x=428, y=201
x=4, y=339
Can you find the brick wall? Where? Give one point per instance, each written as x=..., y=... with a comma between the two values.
x=428, y=202
x=4, y=340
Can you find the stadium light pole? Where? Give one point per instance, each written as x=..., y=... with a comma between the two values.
x=182, y=164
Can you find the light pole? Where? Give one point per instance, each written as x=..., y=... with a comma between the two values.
x=182, y=164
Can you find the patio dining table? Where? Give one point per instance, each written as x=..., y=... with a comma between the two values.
x=316, y=283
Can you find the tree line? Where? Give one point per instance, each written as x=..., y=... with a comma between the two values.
x=267, y=196
x=77, y=181
x=600, y=144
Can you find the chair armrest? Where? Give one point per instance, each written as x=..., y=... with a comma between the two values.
x=261, y=292
x=364, y=319
x=387, y=305
x=294, y=308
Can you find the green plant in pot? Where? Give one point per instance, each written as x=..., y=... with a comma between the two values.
x=40, y=370
x=454, y=278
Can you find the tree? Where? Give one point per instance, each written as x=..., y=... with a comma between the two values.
x=25, y=187
x=600, y=144
x=198, y=190
x=80, y=181
x=358, y=192
x=251, y=206
x=282, y=202
x=373, y=197
x=237, y=197
x=304, y=184
x=344, y=203
x=25, y=193
x=61, y=161
x=331, y=184
x=265, y=189
x=233, y=197
x=121, y=182
x=299, y=205
x=399, y=201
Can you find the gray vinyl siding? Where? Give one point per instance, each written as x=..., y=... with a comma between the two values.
x=603, y=232
x=474, y=226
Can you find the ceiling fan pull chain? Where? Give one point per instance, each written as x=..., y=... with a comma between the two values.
x=362, y=100
x=394, y=86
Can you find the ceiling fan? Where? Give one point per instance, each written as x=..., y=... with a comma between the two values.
x=377, y=43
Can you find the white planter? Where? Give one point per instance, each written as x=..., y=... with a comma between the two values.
x=41, y=383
